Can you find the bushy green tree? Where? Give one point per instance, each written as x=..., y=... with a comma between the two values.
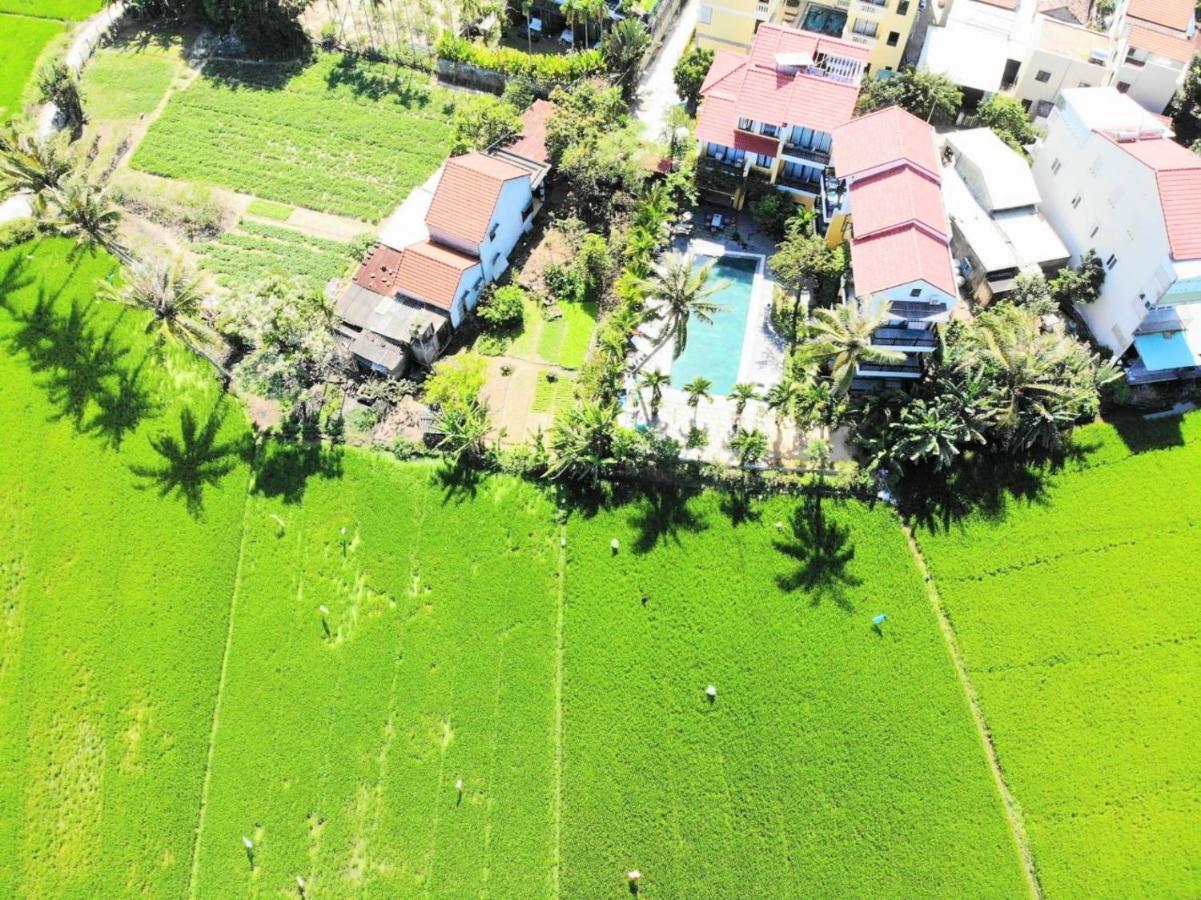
x=1079, y=285
x=689, y=74
x=803, y=260
x=1005, y=116
x=481, y=122
x=927, y=95
x=58, y=84
x=623, y=48
x=503, y=306
x=1033, y=292
x=1185, y=108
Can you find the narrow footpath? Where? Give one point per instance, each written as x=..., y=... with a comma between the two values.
x=657, y=88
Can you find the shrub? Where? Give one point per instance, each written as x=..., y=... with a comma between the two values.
x=191, y=208
x=508, y=61
x=18, y=231
x=772, y=212
x=566, y=284
x=520, y=92
x=503, y=306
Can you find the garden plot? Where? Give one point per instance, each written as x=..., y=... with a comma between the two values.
x=335, y=136
x=241, y=258
x=562, y=341
x=22, y=40
x=834, y=761
x=1079, y=625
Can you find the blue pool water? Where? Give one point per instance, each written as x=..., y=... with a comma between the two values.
x=713, y=351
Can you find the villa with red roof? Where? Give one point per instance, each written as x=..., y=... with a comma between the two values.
x=1115, y=182
x=770, y=114
x=887, y=203
x=456, y=234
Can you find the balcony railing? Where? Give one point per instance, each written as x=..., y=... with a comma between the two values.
x=822, y=157
x=863, y=39
x=761, y=9
x=871, y=9
x=920, y=339
x=795, y=183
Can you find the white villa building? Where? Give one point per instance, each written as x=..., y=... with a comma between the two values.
x=1113, y=181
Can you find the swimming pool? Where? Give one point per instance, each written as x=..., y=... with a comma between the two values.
x=714, y=351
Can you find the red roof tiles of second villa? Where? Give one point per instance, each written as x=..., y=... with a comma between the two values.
x=467, y=193
x=894, y=198
x=1180, y=48
x=432, y=273
x=901, y=256
x=1174, y=14
x=886, y=136
x=716, y=123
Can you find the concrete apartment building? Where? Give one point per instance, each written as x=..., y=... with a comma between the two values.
x=1113, y=181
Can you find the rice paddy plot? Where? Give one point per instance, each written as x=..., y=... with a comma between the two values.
x=833, y=760
x=338, y=135
x=22, y=40
x=560, y=341
x=241, y=258
x=121, y=495
x=1076, y=614
x=386, y=725
x=550, y=396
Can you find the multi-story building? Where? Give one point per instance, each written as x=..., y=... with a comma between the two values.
x=1062, y=55
x=889, y=185
x=882, y=27
x=769, y=115
x=1152, y=44
x=1113, y=181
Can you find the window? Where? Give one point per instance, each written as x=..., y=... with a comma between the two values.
x=705, y=16
x=495, y=257
x=1056, y=166
x=1044, y=108
x=893, y=37
x=763, y=161
x=916, y=292
x=1042, y=76
x=746, y=124
x=1076, y=201
x=1123, y=87
x=1092, y=234
x=903, y=8
x=866, y=28
x=1026, y=105
x=1111, y=262
x=770, y=130
x=492, y=230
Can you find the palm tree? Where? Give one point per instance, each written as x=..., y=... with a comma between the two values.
x=931, y=430
x=173, y=295
x=742, y=394
x=697, y=389
x=81, y=210
x=655, y=380
x=32, y=164
x=676, y=120
x=527, y=10
x=783, y=398
x=749, y=447
x=623, y=48
x=464, y=428
x=581, y=442
x=573, y=11
x=592, y=11
x=841, y=339
x=680, y=291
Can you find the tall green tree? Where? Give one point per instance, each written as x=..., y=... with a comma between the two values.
x=803, y=260
x=655, y=381
x=742, y=394
x=623, y=48
x=927, y=95
x=698, y=390
x=689, y=74
x=749, y=447
x=677, y=291
x=30, y=163
x=581, y=443
x=1007, y=119
x=81, y=210
x=840, y=339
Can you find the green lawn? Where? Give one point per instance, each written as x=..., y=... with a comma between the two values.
x=119, y=85
x=560, y=342
x=242, y=257
x=21, y=43
x=269, y=210
x=1078, y=618
x=52, y=9
x=335, y=136
x=113, y=597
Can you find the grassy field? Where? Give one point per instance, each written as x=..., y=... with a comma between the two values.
x=559, y=342
x=113, y=595
x=335, y=136
x=242, y=257
x=119, y=85
x=835, y=761
x=269, y=210
x=1078, y=619
x=22, y=40
x=52, y=9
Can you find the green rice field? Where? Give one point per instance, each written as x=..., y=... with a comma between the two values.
x=52, y=9
x=334, y=136
x=22, y=40
x=244, y=256
x=1078, y=619
x=119, y=85
x=397, y=681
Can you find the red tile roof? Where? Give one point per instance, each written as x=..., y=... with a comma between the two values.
x=893, y=258
x=894, y=198
x=1174, y=14
x=887, y=136
x=432, y=273
x=378, y=271
x=1180, y=49
x=1178, y=177
x=717, y=123
x=531, y=143
x=751, y=86
x=466, y=195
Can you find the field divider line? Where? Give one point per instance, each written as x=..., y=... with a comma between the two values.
x=557, y=800
x=1013, y=812
x=221, y=679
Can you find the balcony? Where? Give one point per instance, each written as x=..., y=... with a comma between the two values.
x=762, y=10
x=863, y=39
x=910, y=340
x=870, y=9
x=796, y=185
x=718, y=173
x=910, y=367
x=807, y=154
x=915, y=310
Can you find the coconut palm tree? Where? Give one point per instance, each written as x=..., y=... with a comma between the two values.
x=464, y=428
x=173, y=295
x=32, y=164
x=655, y=380
x=676, y=121
x=931, y=430
x=623, y=48
x=742, y=394
x=527, y=10
x=748, y=446
x=573, y=13
x=581, y=442
x=841, y=339
x=81, y=210
x=697, y=389
x=678, y=291
x=783, y=398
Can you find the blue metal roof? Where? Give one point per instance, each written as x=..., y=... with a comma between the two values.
x=1168, y=350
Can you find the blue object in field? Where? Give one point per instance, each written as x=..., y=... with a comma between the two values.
x=880, y=619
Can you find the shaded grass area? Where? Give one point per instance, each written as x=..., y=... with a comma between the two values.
x=1076, y=613
x=241, y=258
x=560, y=342
x=122, y=486
x=337, y=135
x=835, y=761
x=22, y=40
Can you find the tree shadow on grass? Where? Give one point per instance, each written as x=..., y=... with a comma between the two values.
x=195, y=460
x=460, y=481
x=821, y=549
x=737, y=503
x=289, y=461
x=85, y=371
x=984, y=486
x=662, y=513
x=1140, y=435
x=375, y=83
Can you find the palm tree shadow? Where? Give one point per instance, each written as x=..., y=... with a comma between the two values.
x=290, y=460
x=821, y=549
x=737, y=503
x=195, y=460
x=663, y=513
x=459, y=480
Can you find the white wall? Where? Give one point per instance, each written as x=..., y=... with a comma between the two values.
x=514, y=197
x=926, y=293
x=1151, y=86
x=467, y=295
x=1065, y=73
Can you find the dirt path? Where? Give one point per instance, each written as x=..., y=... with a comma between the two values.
x=1013, y=812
